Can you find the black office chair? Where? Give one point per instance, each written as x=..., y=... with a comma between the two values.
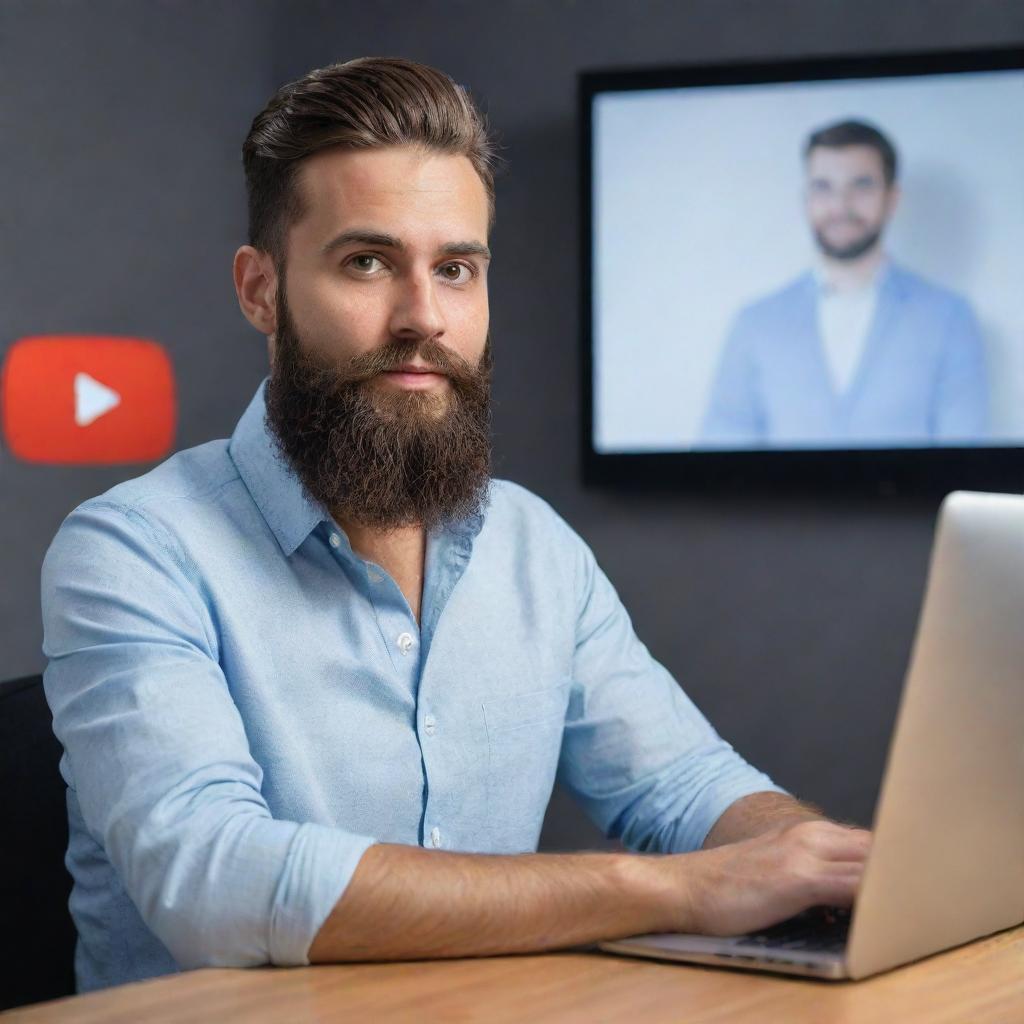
x=37, y=961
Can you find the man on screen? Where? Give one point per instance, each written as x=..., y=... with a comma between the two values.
x=858, y=351
x=314, y=683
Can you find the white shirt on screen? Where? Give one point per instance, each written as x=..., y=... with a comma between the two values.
x=844, y=320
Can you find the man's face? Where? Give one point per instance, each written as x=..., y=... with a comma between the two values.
x=848, y=200
x=379, y=386
x=392, y=247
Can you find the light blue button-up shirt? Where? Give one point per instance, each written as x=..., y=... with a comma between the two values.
x=246, y=705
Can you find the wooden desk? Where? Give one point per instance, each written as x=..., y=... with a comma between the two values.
x=982, y=983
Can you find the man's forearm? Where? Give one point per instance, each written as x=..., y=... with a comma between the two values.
x=756, y=814
x=404, y=902
x=407, y=903
x=774, y=859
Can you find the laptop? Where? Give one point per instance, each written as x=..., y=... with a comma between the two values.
x=947, y=861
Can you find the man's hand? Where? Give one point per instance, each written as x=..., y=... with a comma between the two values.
x=747, y=885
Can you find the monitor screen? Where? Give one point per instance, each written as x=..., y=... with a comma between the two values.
x=807, y=257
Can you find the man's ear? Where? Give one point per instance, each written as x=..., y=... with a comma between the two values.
x=893, y=199
x=256, y=287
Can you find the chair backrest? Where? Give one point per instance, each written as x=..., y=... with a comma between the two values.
x=39, y=942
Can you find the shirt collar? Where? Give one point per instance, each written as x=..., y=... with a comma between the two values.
x=285, y=503
x=825, y=288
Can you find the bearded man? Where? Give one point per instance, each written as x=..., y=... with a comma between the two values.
x=315, y=683
x=858, y=352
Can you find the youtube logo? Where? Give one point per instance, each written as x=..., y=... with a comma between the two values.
x=67, y=399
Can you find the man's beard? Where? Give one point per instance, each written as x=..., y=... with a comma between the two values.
x=851, y=250
x=377, y=455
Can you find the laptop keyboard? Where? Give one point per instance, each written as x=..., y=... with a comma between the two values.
x=818, y=930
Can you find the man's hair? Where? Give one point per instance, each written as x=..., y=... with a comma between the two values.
x=367, y=103
x=856, y=133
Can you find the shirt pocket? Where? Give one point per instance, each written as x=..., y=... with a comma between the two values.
x=524, y=740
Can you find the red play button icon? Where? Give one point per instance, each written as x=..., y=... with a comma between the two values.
x=87, y=399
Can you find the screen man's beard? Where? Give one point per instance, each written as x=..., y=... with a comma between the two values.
x=375, y=454
x=851, y=250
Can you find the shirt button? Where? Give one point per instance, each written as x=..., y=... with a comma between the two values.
x=435, y=837
x=429, y=724
x=375, y=577
x=335, y=540
x=405, y=642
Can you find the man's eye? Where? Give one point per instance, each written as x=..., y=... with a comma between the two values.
x=365, y=263
x=456, y=273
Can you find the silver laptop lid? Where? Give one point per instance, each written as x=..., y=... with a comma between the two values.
x=947, y=862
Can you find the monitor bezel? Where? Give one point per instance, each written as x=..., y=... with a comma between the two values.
x=934, y=470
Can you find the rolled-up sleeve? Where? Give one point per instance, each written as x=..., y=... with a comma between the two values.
x=637, y=754
x=157, y=754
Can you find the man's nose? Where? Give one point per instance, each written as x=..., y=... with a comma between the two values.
x=417, y=312
x=836, y=201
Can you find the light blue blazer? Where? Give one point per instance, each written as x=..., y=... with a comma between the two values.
x=921, y=379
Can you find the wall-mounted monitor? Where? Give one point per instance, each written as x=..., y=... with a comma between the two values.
x=806, y=272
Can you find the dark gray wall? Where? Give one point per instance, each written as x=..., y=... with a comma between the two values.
x=120, y=210
x=789, y=622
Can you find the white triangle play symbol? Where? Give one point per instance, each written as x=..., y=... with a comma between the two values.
x=92, y=399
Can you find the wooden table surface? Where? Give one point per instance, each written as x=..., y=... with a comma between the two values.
x=982, y=983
